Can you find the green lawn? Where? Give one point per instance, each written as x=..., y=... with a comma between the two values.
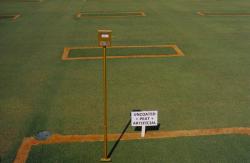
x=207, y=88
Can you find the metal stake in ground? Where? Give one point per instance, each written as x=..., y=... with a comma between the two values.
x=104, y=40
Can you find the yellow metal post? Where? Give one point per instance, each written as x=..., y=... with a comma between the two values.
x=104, y=41
x=105, y=99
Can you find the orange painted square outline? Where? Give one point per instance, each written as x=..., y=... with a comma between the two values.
x=28, y=142
x=81, y=15
x=66, y=52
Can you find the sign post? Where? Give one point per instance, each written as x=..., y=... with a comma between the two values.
x=143, y=119
x=104, y=40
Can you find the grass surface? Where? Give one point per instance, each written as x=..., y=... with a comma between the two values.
x=208, y=88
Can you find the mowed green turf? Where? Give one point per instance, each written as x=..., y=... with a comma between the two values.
x=207, y=88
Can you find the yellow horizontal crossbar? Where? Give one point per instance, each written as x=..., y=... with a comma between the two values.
x=178, y=52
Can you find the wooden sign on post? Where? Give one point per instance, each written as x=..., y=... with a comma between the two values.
x=143, y=119
x=104, y=38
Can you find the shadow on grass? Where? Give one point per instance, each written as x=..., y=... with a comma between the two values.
x=125, y=129
x=119, y=139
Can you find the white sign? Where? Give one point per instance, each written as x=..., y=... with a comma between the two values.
x=105, y=35
x=143, y=119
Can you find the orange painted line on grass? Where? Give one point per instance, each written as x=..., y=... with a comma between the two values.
x=19, y=1
x=108, y=14
x=200, y=13
x=16, y=16
x=66, y=51
x=221, y=14
x=23, y=152
x=10, y=16
x=124, y=57
x=178, y=50
x=27, y=143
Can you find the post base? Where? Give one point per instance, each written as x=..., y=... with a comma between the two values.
x=105, y=160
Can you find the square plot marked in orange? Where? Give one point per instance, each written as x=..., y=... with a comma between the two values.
x=122, y=52
x=23, y=151
x=109, y=14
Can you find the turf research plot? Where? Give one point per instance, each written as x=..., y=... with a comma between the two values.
x=221, y=14
x=27, y=143
x=9, y=16
x=109, y=14
x=122, y=52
